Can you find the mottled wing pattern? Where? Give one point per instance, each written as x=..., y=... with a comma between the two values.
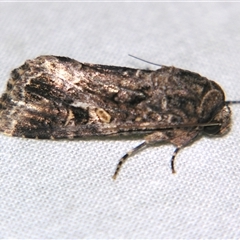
x=58, y=97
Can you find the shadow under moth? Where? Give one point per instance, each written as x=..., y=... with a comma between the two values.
x=54, y=97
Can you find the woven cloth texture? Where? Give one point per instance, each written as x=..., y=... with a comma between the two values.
x=63, y=189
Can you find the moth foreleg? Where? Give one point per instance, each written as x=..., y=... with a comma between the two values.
x=181, y=140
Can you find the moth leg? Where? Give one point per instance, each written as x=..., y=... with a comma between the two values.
x=181, y=140
x=150, y=139
x=173, y=159
x=126, y=156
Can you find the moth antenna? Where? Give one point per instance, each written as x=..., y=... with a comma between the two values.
x=130, y=55
x=126, y=156
x=232, y=102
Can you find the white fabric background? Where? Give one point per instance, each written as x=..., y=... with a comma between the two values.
x=63, y=189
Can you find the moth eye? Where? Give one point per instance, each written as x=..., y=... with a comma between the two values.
x=212, y=129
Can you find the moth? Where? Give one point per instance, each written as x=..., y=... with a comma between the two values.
x=54, y=97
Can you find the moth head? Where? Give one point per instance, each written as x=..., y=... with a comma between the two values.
x=223, y=118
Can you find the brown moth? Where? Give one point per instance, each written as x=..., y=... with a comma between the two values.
x=58, y=97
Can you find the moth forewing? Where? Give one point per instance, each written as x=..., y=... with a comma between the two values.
x=57, y=97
